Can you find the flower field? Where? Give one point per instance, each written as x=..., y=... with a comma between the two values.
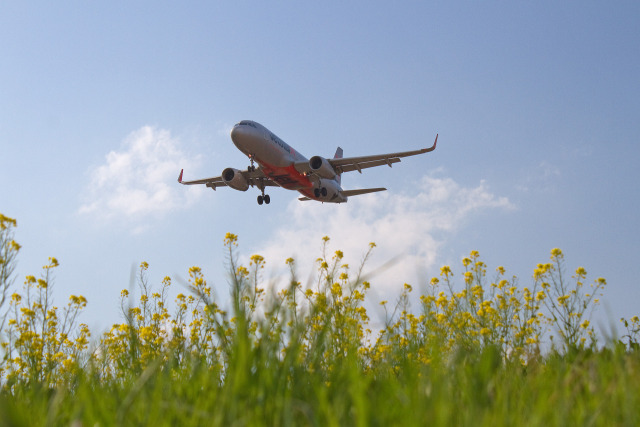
x=476, y=348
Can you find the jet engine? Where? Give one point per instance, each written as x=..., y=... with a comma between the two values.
x=234, y=179
x=328, y=190
x=320, y=166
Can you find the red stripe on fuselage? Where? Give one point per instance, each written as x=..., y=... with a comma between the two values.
x=286, y=177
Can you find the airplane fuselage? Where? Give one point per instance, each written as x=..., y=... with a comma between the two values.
x=277, y=159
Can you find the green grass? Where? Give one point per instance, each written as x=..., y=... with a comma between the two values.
x=588, y=388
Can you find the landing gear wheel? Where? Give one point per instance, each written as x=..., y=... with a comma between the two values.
x=316, y=192
x=324, y=192
x=263, y=198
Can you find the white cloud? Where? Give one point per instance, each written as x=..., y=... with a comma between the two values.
x=409, y=227
x=541, y=178
x=140, y=179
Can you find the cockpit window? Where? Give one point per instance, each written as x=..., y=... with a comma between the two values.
x=247, y=123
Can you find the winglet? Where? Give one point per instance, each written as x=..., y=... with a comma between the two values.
x=180, y=177
x=433, y=147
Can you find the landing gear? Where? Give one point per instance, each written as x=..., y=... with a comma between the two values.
x=263, y=198
x=251, y=167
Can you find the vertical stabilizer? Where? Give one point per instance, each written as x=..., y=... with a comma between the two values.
x=338, y=155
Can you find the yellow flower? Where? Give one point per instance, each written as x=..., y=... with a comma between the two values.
x=336, y=289
x=257, y=259
x=556, y=253
x=477, y=291
x=230, y=238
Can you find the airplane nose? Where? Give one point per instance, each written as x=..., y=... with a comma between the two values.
x=242, y=132
x=243, y=136
x=235, y=132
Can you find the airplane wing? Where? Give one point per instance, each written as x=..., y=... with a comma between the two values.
x=256, y=178
x=349, y=193
x=348, y=164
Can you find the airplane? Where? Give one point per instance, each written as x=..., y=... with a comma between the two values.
x=279, y=165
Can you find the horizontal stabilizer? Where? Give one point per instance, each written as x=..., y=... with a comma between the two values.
x=349, y=193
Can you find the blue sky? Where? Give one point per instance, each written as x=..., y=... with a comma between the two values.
x=536, y=104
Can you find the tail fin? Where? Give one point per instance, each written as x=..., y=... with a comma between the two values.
x=338, y=155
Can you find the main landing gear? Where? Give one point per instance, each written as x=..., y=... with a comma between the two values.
x=263, y=198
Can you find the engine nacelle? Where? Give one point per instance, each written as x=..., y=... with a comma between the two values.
x=234, y=179
x=328, y=190
x=320, y=166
